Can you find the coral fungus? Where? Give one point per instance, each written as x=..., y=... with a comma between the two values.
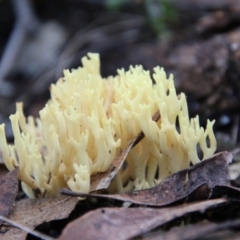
x=89, y=120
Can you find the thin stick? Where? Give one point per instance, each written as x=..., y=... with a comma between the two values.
x=26, y=229
x=25, y=23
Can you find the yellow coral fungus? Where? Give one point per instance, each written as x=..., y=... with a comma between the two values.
x=89, y=120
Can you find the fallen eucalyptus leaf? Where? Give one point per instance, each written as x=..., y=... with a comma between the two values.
x=125, y=223
x=32, y=212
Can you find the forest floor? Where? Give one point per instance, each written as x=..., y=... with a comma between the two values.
x=198, y=41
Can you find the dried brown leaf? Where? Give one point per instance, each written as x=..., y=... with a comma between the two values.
x=103, y=180
x=32, y=212
x=8, y=189
x=125, y=223
x=199, y=179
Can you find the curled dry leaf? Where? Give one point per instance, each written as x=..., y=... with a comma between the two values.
x=32, y=212
x=125, y=223
x=103, y=180
x=200, y=178
x=8, y=189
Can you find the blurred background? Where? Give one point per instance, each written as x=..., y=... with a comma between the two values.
x=196, y=40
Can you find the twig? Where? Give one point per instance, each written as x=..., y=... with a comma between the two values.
x=25, y=24
x=92, y=34
x=26, y=229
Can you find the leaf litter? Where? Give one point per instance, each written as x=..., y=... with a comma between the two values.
x=205, y=180
x=32, y=212
x=192, y=231
x=203, y=176
x=125, y=223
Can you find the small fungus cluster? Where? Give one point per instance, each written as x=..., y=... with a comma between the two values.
x=89, y=120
